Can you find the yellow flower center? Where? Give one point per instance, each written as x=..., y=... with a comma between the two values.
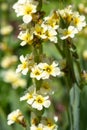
x=48, y=69
x=76, y=21
x=50, y=124
x=39, y=30
x=24, y=65
x=67, y=32
x=40, y=99
x=28, y=9
x=30, y=96
x=37, y=72
x=35, y=121
x=48, y=34
x=14, y=118
x=39, y=128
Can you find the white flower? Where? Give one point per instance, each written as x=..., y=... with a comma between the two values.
x=66, y=14
x=49, y=124
x=6, y=30
x=52, y=20
x=51, y=34
x=29, y=9
x=14, y=78
x=40, y=31
x=36, y=72
x=41, y=102
x=15, y=116
x=46, y=88
x=24, y=66
x=26, y=37
x=39, y=127
x=9, y=60
x=52, y=69
x=34, y=119
x=29, y=96
x=26, y=9
x=70, y=32
x=78, y=21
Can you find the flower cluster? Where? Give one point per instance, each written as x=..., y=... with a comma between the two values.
x=49, y=27
x=74, y=22
x=36, y=100
x=44, y=70
x=35, y=30
x=45, y=124
x=38, y=71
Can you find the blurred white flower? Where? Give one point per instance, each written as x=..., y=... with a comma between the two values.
x=46, y=88
x=52, y=20
x=39, y=127
x=24, y=66
x=49, y=124
x=15, y=116
x=10, y=76
x=6, y=30
x=51, y=34
x=70, y=32
x=78, y=21
x=9, y=60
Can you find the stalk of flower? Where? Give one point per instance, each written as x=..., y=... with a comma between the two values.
x=44, y=29
x=34, y=98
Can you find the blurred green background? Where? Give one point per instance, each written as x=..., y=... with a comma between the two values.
x=10, y=46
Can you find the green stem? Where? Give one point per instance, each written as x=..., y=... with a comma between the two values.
x=74, y=104
x=59, y=49
x=71, y=79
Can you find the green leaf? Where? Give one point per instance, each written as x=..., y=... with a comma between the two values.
x=74, y=103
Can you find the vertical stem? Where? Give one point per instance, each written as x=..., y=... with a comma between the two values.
x=71, y=80
x=74, y=104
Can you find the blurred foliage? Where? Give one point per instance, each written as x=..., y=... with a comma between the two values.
x=9, y=45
